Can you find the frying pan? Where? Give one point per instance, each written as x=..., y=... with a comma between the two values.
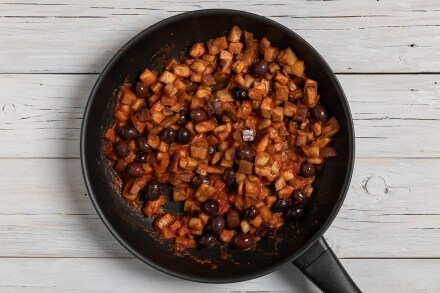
x=300, y=243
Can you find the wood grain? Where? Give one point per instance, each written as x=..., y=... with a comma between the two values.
x=81, y=36
x=131, y=275
x=386, y=56
x=385, y=204
x=43, y=113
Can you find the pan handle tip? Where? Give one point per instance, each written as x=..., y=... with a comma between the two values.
x=323, y=268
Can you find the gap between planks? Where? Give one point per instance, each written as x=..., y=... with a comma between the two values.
x=335, y=72
x=133, y=257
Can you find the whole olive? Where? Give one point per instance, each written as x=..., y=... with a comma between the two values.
x=280, y=205
x=141, y=90
x=320, y=113
x=216, y=225
x=210, y=207
x=127, y=132
x=299, y=197
x=229, y=176
x=244, y=241
x=141, y=157
x=153, y=190
x=307, y=169
x=168, y=135
x=198, y=115
x=239, y=93
x=250, y=213
x=245, y=153
x=183, y=117
x=259, y=69
x=122, y=148
x=232, y=219
x=207, y=240
x=198, y=180
x=294, y=212
x=135, y=169
x=183, y=136
x=142, y=145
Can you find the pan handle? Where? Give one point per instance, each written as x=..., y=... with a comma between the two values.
x=323, y=268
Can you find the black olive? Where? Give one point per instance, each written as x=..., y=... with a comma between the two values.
x=141, y=143
x=307, y=169
x=135, y=169
x=141, y=157
x=229, y=177
x=239, y=93
x=183, y=117
x=168, y=135
x=320, y=113
x=127, y=132
x=244, y=241
x=122, y=148
x=216, y=225
x=198, y=115
x=280, y=205
x=183, y=136
x=153, y=190
x=250, y=213
x=299, y=197
x=210, y=207
x=259, y=69
x=141, y=90
x=207, y=240
x=245, y=153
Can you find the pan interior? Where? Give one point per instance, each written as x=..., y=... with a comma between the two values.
x=172, y=37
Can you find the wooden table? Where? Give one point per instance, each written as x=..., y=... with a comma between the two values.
x=386, y=55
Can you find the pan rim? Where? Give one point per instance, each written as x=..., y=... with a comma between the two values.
x=268, y=269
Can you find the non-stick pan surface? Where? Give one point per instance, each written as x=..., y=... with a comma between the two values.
x=173, y=37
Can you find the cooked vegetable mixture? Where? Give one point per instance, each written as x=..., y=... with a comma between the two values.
x=235, y=131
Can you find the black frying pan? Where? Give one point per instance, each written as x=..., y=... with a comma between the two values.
x=300, y=243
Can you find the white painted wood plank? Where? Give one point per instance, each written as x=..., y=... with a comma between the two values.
x=130, y=275
x=41, y=114
x=364, y=36
x=57, y=235
x=392, y=201
x=56, y=188
x=395, y=115
x=101, y=8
